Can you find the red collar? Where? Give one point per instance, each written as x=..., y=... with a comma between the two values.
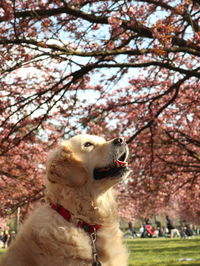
x=89, y=228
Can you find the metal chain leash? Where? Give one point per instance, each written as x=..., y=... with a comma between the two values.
x=93, y=237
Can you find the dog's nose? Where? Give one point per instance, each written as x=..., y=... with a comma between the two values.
x=118, y=141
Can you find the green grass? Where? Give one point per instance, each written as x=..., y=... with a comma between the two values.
x=161, y=252
x=164, y=252
x=2, y=250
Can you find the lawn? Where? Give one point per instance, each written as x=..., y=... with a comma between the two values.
x=2, y=250
x=164, y=252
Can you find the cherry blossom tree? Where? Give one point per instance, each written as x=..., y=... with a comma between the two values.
x=127, y=67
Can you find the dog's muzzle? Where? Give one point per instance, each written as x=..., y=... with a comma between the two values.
x=119, y=166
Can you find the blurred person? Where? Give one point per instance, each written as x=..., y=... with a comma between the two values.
x=6, y=237
x=141, y=230
x=160, y=232
x=169, y=225
x=1, y=238
x=173, y=232
x=188, y=230
x=12, y=237
x=132, y=229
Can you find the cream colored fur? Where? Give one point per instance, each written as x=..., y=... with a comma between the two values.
x=46, y=238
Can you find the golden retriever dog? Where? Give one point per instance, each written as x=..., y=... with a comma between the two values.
x=78, y=225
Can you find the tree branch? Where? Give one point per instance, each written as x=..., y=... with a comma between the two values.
x=175, y=87
x=137, y=27
x=189, y=73
x=76, y=52
x=8, y=174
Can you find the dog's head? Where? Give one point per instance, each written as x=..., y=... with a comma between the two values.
x=87, y=159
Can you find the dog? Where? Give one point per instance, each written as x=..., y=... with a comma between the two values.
x=78, y=225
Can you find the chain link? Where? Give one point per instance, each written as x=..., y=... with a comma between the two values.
x=93, y=237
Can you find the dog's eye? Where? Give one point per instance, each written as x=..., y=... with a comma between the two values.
x=88, y=144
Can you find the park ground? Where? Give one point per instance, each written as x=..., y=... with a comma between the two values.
x=162, y=252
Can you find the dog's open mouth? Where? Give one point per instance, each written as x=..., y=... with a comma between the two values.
x=116, y=169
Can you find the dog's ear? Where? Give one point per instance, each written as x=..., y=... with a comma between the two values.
x=64, y=168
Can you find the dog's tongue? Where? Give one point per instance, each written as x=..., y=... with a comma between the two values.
x=120, y=163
